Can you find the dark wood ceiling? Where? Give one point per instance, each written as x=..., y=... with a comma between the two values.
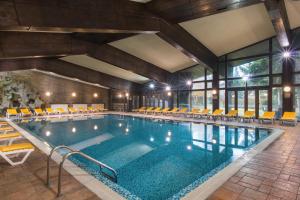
x=46, y=29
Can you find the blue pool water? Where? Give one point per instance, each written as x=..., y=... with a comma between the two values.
x=154, y=159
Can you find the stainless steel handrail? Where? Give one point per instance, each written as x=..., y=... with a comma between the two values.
x=49, y=158
x=66, y=156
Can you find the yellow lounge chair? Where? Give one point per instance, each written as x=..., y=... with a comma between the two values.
x=137, y=110
x=10, y=137
x=217, y=113
x=6, y=129
x=231, y=114
x=268, y=116
x=16, y=149
x=163, y=110
x=202, y=113
x=181, y=111
x=82, y=109
x=39, y=111
x=25, y=112
x=91, y=109
x=250, y=115
x=72, y=110
x=11, y=112
x=148, y=110
x=50, y=111
x=192, y=112
x=61, y=110
x=158, y=109
x=3, y=124
x=289, y=117
x=175, y=109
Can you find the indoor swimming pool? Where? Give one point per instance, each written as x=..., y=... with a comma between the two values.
x=154, y=158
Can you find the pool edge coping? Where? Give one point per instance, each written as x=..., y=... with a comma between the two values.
x=203, y=191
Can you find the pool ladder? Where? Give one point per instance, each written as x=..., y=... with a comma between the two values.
x=66, y=156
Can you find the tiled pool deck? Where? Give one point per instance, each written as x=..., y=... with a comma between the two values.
x=272, y=174
x=27, y=181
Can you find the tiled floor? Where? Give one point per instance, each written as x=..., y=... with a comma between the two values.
x=273, y=174
x=27, y=182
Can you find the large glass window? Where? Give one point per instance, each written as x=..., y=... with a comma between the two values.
x=222, y=99
x=277, y=101
x=236, y=83
x=222, y=70
x=184, y=99
x=231, y=100
x=209, y=104
x=209, y=75
x=260, y=48
x=296, y=78
x=198, y=99
x=277, y=64
x=259, y=81
x=296, y=57
x=197, y=86
x=248, y=67
x=263, y=101
x=251, y=100
x=241, y=102
x=297, y=101
x=196, y=73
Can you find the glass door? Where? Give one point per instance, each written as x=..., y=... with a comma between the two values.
x=251, y=100
x=263, y=101
x=241, y=102
x=231, y=100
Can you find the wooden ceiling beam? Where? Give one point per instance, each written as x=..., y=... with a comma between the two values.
x=187, y=44
x=17, y=45
x=278, y=14
x=177, y=11
x=119, y=58
x=113, y=16
x=69, y=70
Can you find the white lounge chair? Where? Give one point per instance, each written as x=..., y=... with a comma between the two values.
x=11, y=151
x=9, y=138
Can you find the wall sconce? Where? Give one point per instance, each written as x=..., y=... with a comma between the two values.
x=127, y=94
x=74, y=94
x=169, y=94
x=287, y=89
x=95, y=95
x=48, y=94
x=287, y=92
x=120, y=95
x=214, y=91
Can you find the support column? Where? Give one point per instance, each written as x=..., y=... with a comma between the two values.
x=287, y=81
x=215, y=87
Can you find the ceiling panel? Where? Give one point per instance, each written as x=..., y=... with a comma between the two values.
x=293, y=11
x=97, y=65
x=153, y=49
x=228, y=31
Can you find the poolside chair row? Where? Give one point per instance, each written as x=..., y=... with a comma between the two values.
x=26, y=112
x=9, y=150
x=218, y=114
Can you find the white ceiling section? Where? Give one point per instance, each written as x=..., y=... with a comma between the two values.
x=97, y=65
x=153, y=49
x=228, y=31
x=293, y=11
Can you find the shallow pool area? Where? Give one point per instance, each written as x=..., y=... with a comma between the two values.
x=154, y=158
